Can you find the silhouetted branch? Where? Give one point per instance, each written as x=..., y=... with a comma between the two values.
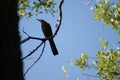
x=33, y=51
x=24, y=40
x=35, y=60
x=60, y=18
x=30, y=37
x=25, y=32
x=35, y=38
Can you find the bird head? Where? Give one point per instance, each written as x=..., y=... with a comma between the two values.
x=41, y=20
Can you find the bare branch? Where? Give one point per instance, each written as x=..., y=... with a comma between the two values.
x=91, y=75
x=35, y=60
x=25, y=32
x=33, y=51
x=93, y=58
x=60, y=18
x=35, y=38
x=24, y=40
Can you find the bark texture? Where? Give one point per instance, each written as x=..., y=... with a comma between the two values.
x=11, y=67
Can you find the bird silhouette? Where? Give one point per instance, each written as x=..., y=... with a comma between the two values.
x=47, y=31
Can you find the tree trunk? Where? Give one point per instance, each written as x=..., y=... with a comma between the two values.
x=11, y=67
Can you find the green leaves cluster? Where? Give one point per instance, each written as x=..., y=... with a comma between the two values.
x=31, y=7
x=108, y=64
x=109, y=13
x=104, y=43
x=82, y=61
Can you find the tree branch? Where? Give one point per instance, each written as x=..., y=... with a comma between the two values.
x=60, y=18
x=30, y=37
x=33, y=51
x=36, y=60
x=90, y=75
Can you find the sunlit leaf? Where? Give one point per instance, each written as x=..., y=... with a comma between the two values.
x=104, y=43
x=64, y=71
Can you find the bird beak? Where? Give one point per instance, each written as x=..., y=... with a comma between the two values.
x=38, y=19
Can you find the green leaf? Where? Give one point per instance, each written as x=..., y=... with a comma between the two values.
x=104, y=43
x=64, y=71
x=82, y=61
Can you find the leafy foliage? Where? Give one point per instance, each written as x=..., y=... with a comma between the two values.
x=107, y=60
x=31, y=7
x=104, y=43
x=82, y=61
x=108, y=64
x=109, y=13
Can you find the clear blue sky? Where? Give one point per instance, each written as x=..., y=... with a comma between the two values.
x=79, y=33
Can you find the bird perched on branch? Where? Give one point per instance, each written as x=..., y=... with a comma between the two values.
x=47, y=31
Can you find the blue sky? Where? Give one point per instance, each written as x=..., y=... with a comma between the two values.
x=79, y=33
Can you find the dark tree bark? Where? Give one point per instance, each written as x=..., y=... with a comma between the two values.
x=11, y=67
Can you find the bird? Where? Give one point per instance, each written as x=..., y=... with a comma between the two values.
x=47, y=31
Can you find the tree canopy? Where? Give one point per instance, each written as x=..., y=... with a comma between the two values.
x=34, y=7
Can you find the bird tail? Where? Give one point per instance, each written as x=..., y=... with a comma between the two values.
x=53, y=47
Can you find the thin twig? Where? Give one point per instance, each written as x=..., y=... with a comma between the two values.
x=30, y=37
x=25, y=32
x=93, y=58
x=33, y=51
x=26, y=39
x=35, y=38
x=90, y=75
x=36, y=60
